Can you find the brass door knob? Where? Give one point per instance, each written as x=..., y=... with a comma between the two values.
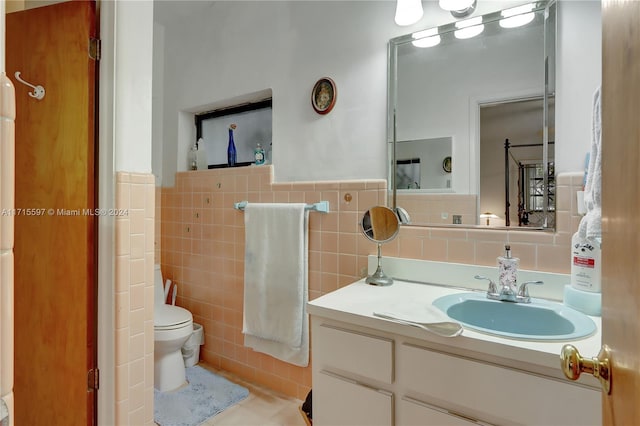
x=573, y=365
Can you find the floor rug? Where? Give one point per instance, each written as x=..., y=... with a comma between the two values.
x=205, y=395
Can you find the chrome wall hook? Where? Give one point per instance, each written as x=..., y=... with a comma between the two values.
x=38, y=91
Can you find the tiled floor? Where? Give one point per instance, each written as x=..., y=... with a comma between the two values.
x=262, y=407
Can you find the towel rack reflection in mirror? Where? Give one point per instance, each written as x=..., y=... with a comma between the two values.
x=320, y=206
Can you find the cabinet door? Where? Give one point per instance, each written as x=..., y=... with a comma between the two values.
x=412, y=412
x=358, y=353
x=340, y=401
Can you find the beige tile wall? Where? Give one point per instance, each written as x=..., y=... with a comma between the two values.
x=438, y=208
x=157, y=244
x=135, y=237
x=203, y=251
x=202, y=246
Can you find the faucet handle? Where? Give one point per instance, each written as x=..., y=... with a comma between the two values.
x=523, y=291
x=493, y=289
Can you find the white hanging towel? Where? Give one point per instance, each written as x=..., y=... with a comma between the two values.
x=591, y=224
x=275, y=319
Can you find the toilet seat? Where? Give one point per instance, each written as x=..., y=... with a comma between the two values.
x=169, y=317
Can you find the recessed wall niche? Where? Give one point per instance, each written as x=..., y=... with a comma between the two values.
x=253, y=126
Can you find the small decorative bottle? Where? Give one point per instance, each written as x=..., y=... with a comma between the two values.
x=259, y=154
x=508, y=269
x=193, y=157
x=231, y=149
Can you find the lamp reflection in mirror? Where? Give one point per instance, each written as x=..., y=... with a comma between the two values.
x=489, y=216
x=469, y=28
x=408, y=12
x=426, y=38
x=517, y=16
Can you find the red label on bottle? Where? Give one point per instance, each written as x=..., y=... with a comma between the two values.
x=585, y=262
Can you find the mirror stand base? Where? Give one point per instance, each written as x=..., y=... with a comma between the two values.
x=379, y=278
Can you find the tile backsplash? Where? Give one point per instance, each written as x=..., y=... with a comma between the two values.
x=438, y=208
x=202, y=250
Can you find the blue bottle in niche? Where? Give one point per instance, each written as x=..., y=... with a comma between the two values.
x=231, y=149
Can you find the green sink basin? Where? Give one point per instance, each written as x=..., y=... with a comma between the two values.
x=538, y=320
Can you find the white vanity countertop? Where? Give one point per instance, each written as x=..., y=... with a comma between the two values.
x=356, y=303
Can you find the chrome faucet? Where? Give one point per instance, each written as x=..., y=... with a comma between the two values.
x=507, y=293
x=523, y=291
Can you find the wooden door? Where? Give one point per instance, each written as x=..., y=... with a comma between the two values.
x=55, y=327
x=621, y=207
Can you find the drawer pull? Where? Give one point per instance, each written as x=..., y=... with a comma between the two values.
x=446, y=411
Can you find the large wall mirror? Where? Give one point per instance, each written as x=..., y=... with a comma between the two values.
x=471, y=120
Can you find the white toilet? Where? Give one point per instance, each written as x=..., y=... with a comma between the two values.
x=172, y=327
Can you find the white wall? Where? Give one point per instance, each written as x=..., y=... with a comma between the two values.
x=579, y=74
x=157, y=129
x=227, y=50
x=132, y=74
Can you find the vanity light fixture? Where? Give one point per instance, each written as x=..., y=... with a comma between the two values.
x=517, y=16
x=459, y=8
x=408, y=12
x=426, y=38
x=469, y=28
x=488, y=216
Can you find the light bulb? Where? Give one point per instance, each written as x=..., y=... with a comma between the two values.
x=408, y=12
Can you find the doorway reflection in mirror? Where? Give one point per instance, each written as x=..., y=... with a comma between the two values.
x=512, y=166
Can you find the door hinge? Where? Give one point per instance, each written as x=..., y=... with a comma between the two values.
x=93, y=379
x=94, y=48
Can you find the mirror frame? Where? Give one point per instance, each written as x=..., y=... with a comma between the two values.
x=549, y=51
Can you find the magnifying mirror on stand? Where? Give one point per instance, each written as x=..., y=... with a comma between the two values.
x=380, y=225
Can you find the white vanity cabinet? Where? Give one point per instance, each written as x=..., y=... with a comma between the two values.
x=365, y=376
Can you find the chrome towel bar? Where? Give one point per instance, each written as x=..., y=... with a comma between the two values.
x=321, y=206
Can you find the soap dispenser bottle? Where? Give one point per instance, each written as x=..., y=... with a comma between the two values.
x=508, y=270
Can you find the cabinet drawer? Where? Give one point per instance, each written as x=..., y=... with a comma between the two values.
x=358, y=353
x=412, y=412
x=498, y=394
x=340, y=401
